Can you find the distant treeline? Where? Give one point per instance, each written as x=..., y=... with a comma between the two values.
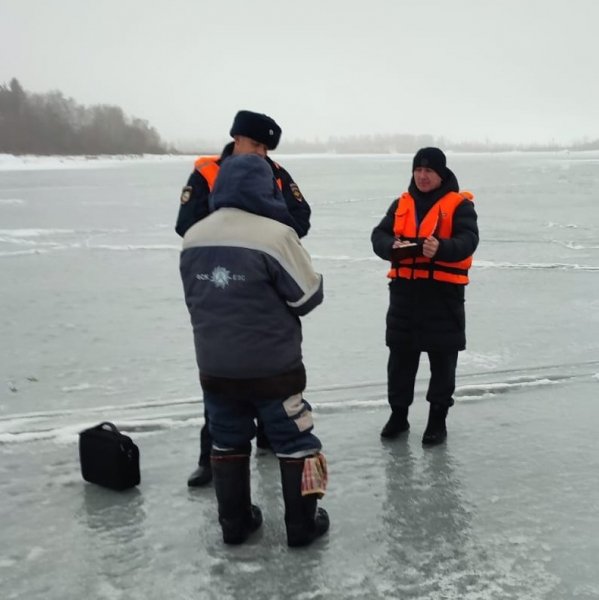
x=52, y=124
x=406, y=143
x=394, y=143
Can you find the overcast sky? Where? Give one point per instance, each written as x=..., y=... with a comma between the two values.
x=503, y=70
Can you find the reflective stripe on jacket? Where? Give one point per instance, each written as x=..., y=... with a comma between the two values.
x=438, y=222
x=208, y=167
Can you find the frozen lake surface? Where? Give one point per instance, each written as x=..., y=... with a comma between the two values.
x=507, y=509
x=93, y=327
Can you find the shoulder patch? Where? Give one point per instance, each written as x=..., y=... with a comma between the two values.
x=296, y=191
x=186, y=194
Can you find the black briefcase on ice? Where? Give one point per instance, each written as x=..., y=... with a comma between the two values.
x=108, y=457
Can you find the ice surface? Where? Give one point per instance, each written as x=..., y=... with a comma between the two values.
x=93, y=328
x=505, y=510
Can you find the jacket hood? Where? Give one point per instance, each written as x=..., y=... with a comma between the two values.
x=246, y=181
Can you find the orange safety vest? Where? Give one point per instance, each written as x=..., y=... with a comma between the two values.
x=438, y=222
x=208, y=166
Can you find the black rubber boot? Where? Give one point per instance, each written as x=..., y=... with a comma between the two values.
x=436, y=431
x=237, y=516
x=397, y=423
x=303, y=520
x=201, y=476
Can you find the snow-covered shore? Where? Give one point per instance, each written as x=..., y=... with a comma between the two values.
x=10, y=162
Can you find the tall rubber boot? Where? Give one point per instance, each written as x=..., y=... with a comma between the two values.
x=303, y=520
x=436, y=430
x=237, y=516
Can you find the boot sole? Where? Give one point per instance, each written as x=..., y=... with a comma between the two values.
x=237, y=533
x=299, y=538
x=394, y=434
x=434, y=442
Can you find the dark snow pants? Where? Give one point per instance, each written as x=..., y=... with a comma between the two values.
x=206, y=439
x=287, y=423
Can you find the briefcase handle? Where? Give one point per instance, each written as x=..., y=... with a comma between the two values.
x=108, y=425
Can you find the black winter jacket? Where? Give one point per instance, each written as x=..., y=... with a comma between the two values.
x=424, y=314
x=196, y=207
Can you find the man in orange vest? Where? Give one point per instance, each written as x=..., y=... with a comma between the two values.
x=429, y=235
x=252, y=133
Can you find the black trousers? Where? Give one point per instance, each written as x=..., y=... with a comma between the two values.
x=401, y=377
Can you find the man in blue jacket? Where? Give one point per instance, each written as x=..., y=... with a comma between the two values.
x=252, y=133
x=247, y=281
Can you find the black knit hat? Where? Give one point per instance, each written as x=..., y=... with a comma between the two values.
x=431, y=158
x=257, y=126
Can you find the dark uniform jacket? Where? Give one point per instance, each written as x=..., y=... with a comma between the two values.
x=424, y=314
x=194, y=206
x=247, y=279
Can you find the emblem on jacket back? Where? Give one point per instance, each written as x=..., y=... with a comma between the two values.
x=220, y=277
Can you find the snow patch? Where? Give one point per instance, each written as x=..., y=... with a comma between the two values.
x=9, y=162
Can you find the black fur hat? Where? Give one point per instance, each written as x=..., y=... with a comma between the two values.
x=432, y=158
x=257, y=126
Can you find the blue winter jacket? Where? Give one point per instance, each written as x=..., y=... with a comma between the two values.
x=247, y=279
